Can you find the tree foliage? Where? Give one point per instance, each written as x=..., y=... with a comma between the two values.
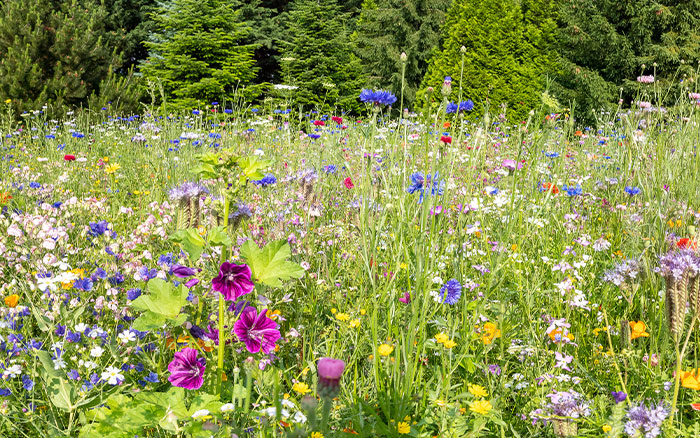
x=387, y=28
x=197, y=56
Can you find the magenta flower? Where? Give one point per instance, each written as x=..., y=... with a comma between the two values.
x=406, y=298
x=187, y=370
x=257, y=331
x=329, y=373
x=233, y=281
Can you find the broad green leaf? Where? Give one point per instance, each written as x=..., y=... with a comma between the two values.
x=270, y=265
x=163, y=299
x=218, y=237
x=61, y=393
x=47, y=363
x=191, y=242
x=149, y=321
x=251, y=167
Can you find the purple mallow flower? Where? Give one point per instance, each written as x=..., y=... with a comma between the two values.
x=233, y=281
x=257, y=331
x=186, y=369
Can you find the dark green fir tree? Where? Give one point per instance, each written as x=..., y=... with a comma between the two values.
x=506, y=49
x=128, y=25
x=197, y=57
x=388, y=28
x=605, y=45
x=318, y=57
x=52, y=53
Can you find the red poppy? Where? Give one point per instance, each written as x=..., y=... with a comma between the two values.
x=547, y=186
x=446, y=139
x=348, y=183
x=686, y=243
x=319, y=123
x=69, y=157
x=695, y=406
x=338, y=120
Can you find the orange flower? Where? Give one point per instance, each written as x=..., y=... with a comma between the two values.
x=491, y=332
x=690, y=379
x=446, y=125
x=578, y=133
x=695, y=406
x=12, y=300
x=639, y=330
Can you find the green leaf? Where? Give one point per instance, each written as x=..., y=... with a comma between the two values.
x=219, y=237
x=270, y=265
x=191, y=241
x=163, y=303
x=61, y=393
x=47, y=363
x=149, y=321
x=251, y=167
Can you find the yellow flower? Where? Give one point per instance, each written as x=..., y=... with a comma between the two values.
x=449, y=344
x=478, y=391
x=491, y=332
x=403, y=266
x=385, y=349
x=342, y=317
x=301, y=387
x=403, y=428
x=363, y=312
x=441, y=338
x=690, y=379
x=355, y=323
x=607, y=428
x=12, y=300
x=639, y=329
x=316, y=435
x=112, y=168
x=440, y=403
x=334, y=311
x=481, y=407
x=8, y=101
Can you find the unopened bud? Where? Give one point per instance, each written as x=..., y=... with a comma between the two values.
x=463, y=49
x=403, y=56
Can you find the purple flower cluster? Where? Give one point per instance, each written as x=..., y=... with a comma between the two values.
x=677, y=263
x=186, y=191
x=645, y=420
x=624, y=272
x=569, y=404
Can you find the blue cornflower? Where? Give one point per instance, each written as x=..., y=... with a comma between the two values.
x=551, y=154
x=228, y=111
x=267, y=180
x=633, y=190
x=330, y=169
x=34, y=185
x=377, y=97
x=78, y=134
x=466, y=105
x=73, y=375
x=195, y=112
x=573, y=191
x=4, y=392
x=451, y=292
x=315, y=136
x=419, y=184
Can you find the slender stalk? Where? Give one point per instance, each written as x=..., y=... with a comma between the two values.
x=679, y=365
x=220, y=349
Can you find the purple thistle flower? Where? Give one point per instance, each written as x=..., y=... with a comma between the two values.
x=257, y=331
x=233, y=281
x=329, y=373
x=186, y=369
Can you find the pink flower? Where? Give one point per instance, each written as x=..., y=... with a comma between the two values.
x=348, y=183
x=186, y=369
x=257, y=331
x=329, y=373
x=233, y=281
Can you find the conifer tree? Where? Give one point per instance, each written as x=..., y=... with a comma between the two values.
x=319, y=58
x=197, y=57
x=604, y=45
x=128, y=26
x=52, y=52
x=387, y=28
x=507, y=53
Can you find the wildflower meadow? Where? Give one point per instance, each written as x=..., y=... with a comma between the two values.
x=240, y=270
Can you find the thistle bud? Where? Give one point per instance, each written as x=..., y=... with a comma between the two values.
x=447, y=86
x=403, y=57
x=329, y=373
x=463, y=49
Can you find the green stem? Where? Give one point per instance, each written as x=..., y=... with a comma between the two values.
x=220, y=349
x=679, y=365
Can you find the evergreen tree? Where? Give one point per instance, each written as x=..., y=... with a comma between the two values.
x=52, y=52
x=319, y=57
x=507, y=53
x=128, y=26
x=604, y=45
x=386, y=28
x=197, y=56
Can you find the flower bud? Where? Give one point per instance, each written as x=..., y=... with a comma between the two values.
x=329, y=373
x=463, y=49
x=403, y=57
x=447, y=86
